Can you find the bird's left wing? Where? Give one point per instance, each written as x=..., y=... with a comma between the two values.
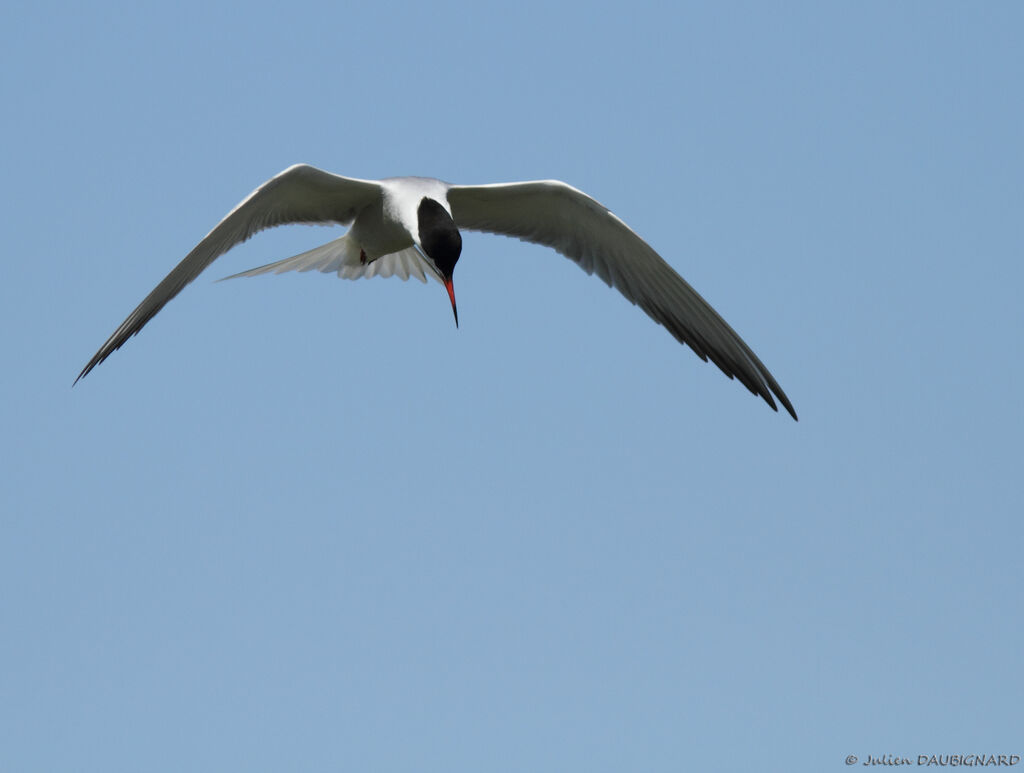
x=557, y=215
x=299, y=194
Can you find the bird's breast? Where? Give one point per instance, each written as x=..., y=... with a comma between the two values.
x=379, y=233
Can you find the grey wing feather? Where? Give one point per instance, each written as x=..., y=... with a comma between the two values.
x=299, y=194
x=557, y=215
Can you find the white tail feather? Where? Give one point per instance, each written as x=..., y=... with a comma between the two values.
x=343, y=256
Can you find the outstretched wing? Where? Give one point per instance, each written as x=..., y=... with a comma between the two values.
x=299, y=194
x=557, y=215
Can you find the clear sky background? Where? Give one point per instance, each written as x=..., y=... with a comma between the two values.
x=306, y=524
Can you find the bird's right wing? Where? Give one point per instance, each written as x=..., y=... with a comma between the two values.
x=555, y=214
x=299, y=194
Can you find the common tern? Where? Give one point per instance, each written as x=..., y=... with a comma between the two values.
x=409, y=226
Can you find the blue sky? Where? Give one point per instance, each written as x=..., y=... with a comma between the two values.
x=306, y=524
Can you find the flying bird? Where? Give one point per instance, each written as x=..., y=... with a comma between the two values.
x=409, y=226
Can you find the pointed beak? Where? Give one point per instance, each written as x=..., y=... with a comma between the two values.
x=451, y=294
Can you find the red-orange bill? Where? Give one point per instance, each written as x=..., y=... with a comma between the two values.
x=451, y=294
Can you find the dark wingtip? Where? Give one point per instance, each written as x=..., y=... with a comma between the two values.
x=786, y=404
x=767, y=396
x=83, y=374
x=86, y=370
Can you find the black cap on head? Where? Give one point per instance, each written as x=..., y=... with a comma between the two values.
x=439, y=237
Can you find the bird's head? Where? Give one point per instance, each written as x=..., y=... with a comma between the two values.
x=441, y=243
